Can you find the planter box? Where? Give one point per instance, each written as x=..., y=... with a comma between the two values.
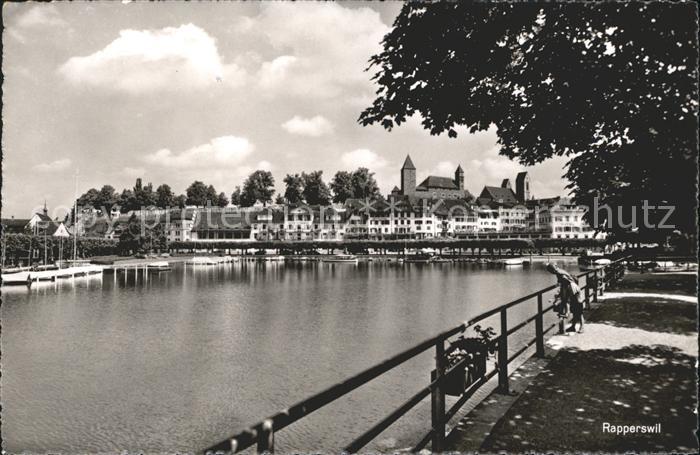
x=461, y=378
x=455, y=383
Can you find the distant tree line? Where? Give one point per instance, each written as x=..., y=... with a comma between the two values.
x=259, y=186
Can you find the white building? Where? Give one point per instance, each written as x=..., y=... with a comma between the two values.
x=560, y=218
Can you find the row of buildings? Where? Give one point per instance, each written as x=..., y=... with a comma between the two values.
x=437, y=207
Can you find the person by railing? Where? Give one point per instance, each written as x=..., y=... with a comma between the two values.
x=570, y=298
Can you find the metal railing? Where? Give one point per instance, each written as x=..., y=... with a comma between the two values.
x=263, y=433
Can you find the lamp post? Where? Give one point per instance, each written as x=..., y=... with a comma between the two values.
x=45, y=256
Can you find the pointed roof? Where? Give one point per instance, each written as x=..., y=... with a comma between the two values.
x=408, y=164
x=43, y=216
x=395, y=189
x=505, y=183
x=498, y=194
x=521, y=176
x=459, y=168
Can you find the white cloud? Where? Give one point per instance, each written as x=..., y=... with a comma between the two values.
x=322, y=48
x=220, y=151
x=274, y=73
x=41, y=15
x=54, y=166
x=494, y=168
x=363, y=158
x=445, y=168
x=138, y=61
x=263, y=166
x=133, y=172
x=314, y=127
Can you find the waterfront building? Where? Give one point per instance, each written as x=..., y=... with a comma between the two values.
x=39, y=223
x=271, y=223
x=456, y=217
x=179, y=224
x=559, y=218
x=426, y=212
x=267, y=224
x=399, y=217
x=215, y=224
x=503, y=209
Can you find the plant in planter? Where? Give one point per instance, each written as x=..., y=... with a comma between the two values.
x=475, y=350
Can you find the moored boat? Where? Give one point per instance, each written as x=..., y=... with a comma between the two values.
x=274, y=258
x=419, y=258
x=202, y=260
x=342, y=258
x=513, y=261
x=159, y=266
x=440, y=260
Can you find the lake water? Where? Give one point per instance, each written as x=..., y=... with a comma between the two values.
x=180, y=360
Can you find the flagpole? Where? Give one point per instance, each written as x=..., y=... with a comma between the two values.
x=75, y=219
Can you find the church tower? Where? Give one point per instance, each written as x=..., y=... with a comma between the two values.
x=408, y=177
x=522, y=187
x=459, y=177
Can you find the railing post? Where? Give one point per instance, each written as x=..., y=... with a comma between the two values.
x=595, y=286
x=438, y=399
x=588, y=290
x=539, y=329
x=266, y=438
x=503, y=354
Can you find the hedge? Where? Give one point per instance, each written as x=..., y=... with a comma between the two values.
x=17, y=247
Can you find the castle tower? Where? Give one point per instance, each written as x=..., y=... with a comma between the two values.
x=522, y=186
x=459, y=177
x=46, y=210
x=408, y=177
x=506, y=184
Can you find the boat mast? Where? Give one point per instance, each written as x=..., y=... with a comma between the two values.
x=75, y=219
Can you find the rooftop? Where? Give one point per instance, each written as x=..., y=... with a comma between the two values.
x=434, y=181
x=408, y=164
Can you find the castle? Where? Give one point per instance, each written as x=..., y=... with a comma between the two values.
x=433, y=186
x=436, y=187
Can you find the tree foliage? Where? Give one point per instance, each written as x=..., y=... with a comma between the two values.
x=201, y=195
x=341, y=185
x=611, y=85
x=144, y=194
x=142, y=236
x=364, y=186
x=19, y=248
x=164, y=196
x=359, y=184
x=259, y=186
x=315, y=191
x=293, y=188
x=222, y=200
x=236, y=196
x=180, y=201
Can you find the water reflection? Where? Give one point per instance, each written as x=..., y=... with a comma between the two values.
x=173, y=361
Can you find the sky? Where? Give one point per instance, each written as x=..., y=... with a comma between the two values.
x=174, y=92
